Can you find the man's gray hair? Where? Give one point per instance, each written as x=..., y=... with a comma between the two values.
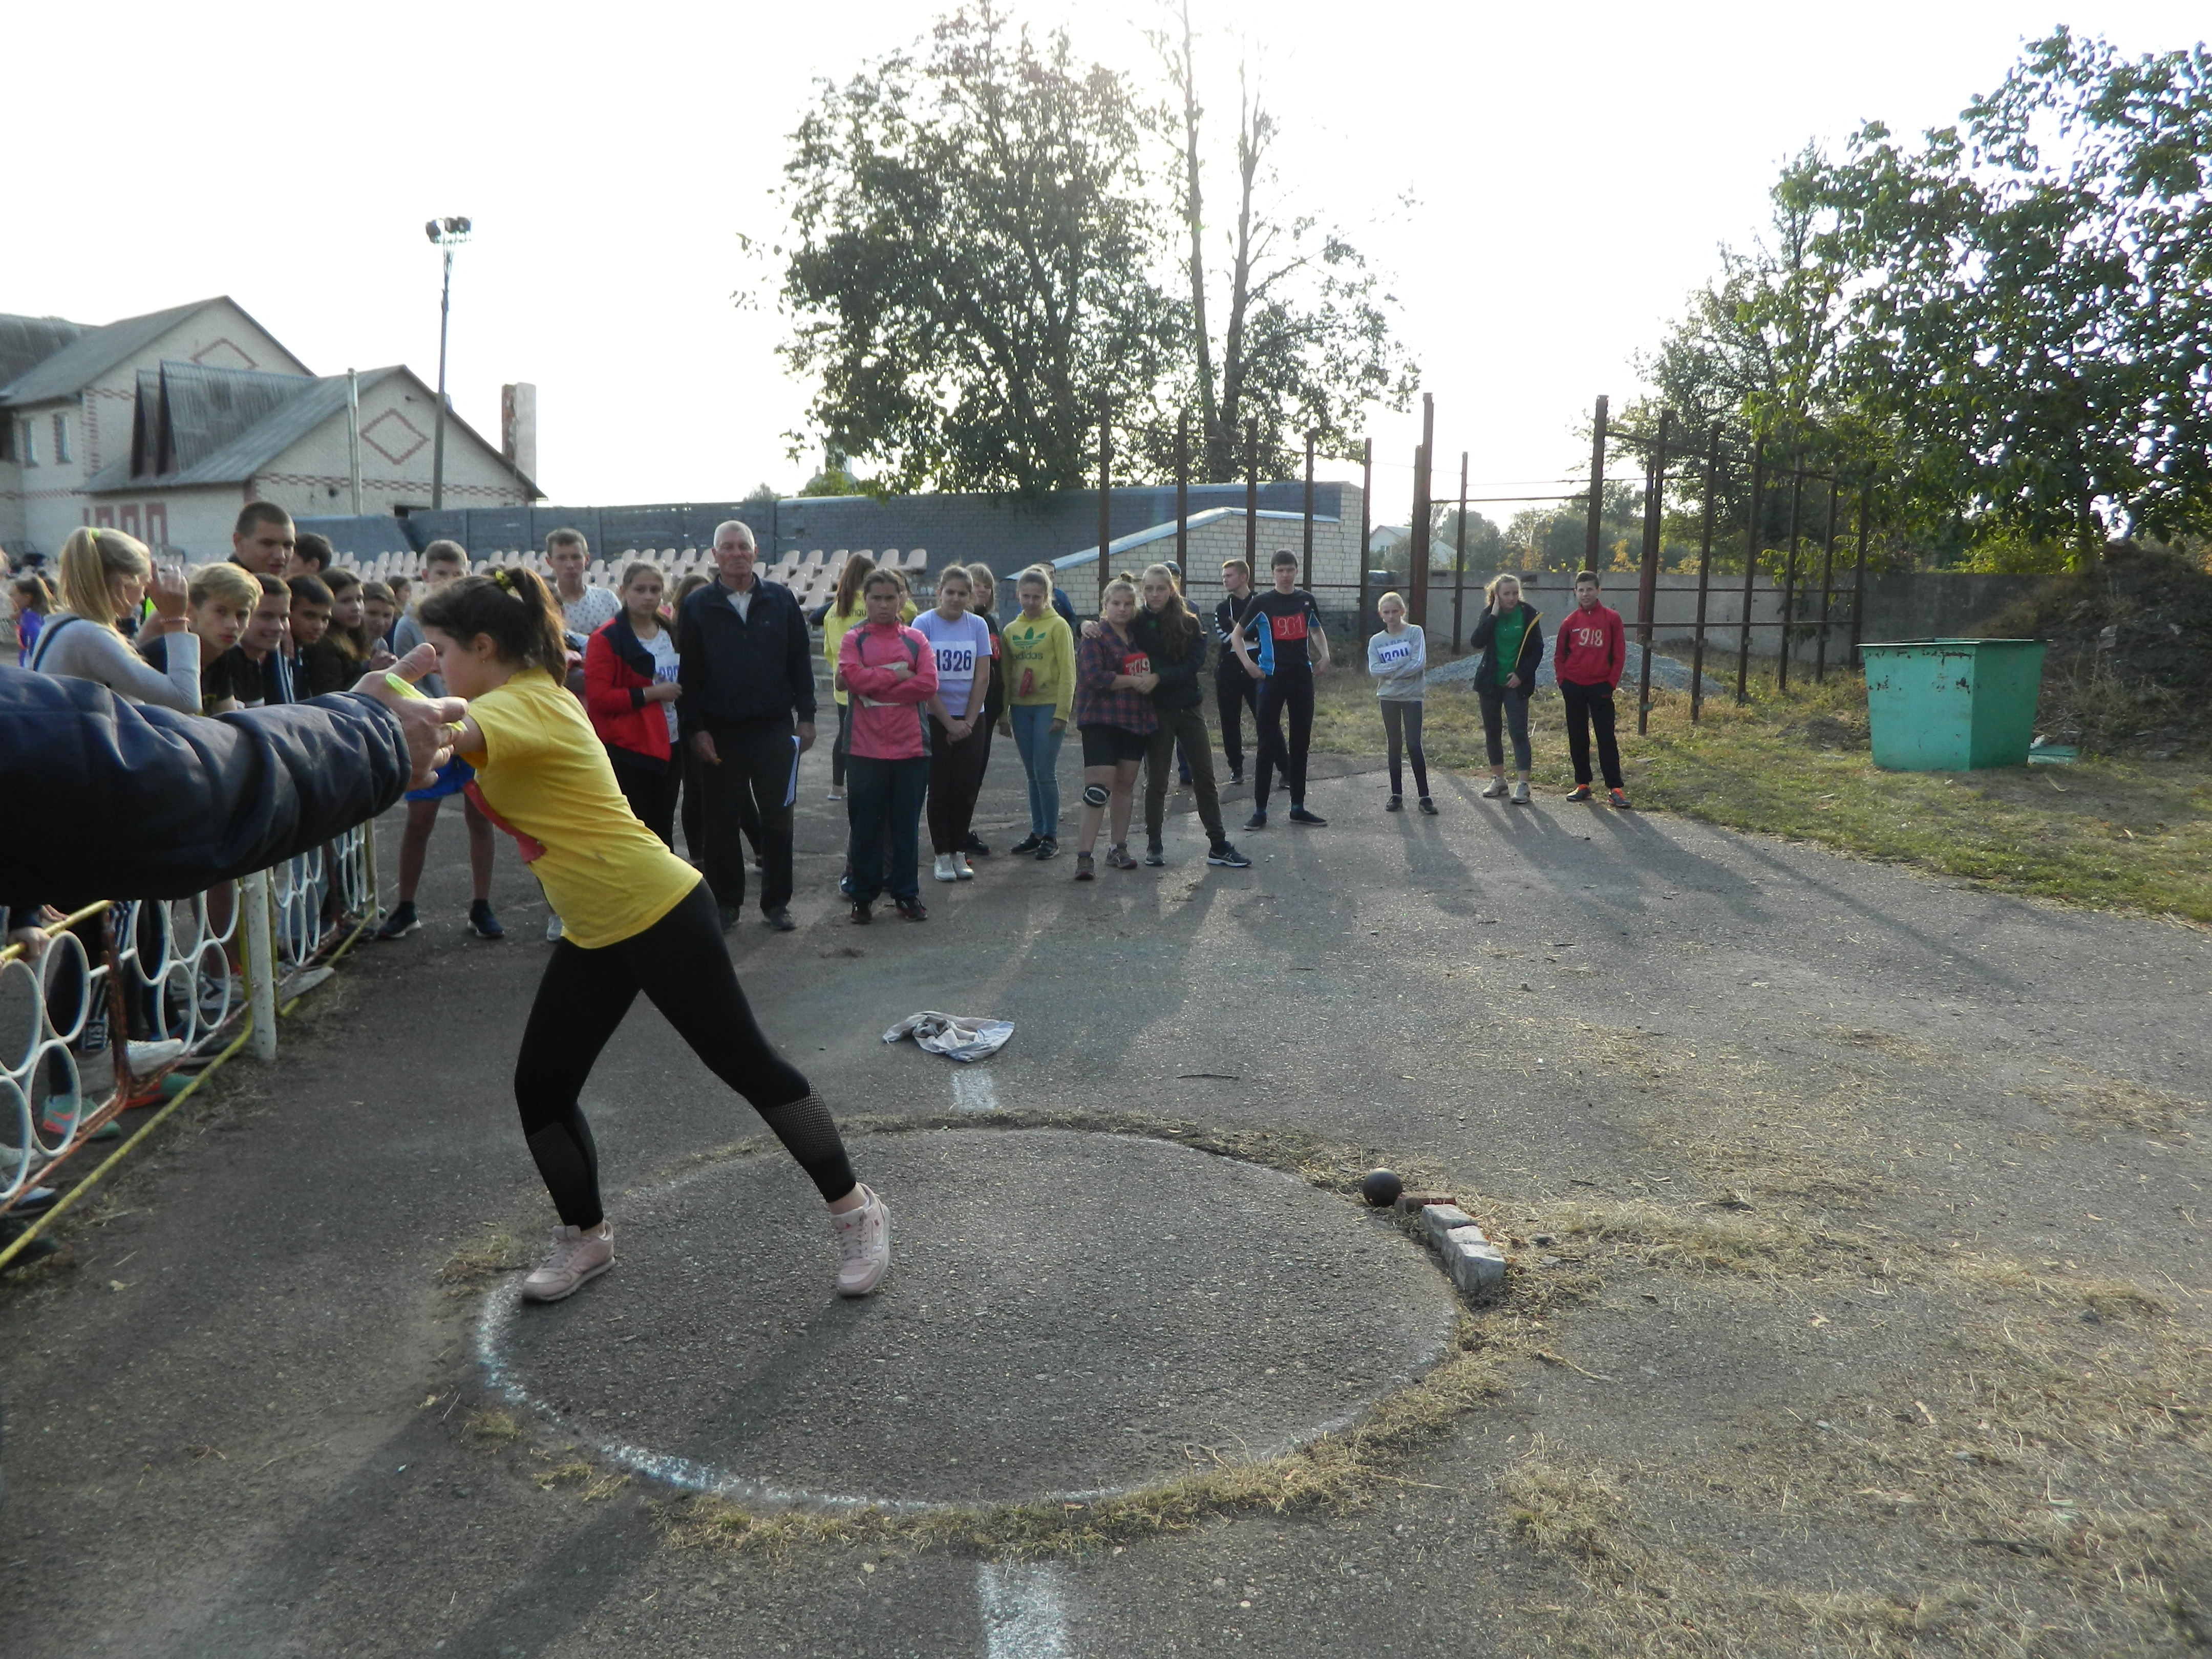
x=738, y=524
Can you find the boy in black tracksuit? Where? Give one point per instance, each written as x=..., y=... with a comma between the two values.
x=1235, y=692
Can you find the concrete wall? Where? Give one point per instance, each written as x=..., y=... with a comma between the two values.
x=1003, y=532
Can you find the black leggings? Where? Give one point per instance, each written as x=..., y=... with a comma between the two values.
x=682, y=965
x=1401, y=723
x=1277, y=694
x=651, y=792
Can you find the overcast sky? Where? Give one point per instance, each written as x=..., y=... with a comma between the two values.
x=1575, y=167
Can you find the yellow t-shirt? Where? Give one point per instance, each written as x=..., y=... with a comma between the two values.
x=834, y=628
x=544, y=773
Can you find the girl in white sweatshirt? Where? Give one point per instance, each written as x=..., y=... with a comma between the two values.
x=1398, y=661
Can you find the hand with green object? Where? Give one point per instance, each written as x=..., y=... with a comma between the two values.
x=427, y=723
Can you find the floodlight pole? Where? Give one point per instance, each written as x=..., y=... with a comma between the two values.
x=446, y=234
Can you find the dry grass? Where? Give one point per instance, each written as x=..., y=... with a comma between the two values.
x=497, y=1250
x=2114, y=831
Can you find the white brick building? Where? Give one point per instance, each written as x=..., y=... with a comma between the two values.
x=165, y=425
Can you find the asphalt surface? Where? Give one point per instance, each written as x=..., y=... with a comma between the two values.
x=240, y=1409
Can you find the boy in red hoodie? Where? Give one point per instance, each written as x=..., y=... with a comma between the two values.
x=1591, y=650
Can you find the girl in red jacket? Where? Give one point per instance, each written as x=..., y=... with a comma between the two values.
x=889, y=671
x=630, y=693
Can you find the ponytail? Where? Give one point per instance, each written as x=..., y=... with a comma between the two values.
x=513, y=607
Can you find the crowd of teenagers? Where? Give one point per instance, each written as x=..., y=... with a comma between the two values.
x=590, y=721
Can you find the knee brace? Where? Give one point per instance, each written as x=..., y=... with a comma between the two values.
x=1095, y=794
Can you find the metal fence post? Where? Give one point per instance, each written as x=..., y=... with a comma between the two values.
x=1252, y=500
x=1597, y=489
x=1183, y=496
x=1105, y=494
x=1417, y=531
x=1750, y=568
x=1704, y=574
x=257, y=943
x=1366, y=515
x=1828, y=582
x=1459, y=558
x=1307, y=568
x=1859, y=572
x=1647, y=586
x=1790, y=565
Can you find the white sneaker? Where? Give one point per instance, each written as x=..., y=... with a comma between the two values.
x=553, y=930
x=864, y=1245
x=946, y=869
x=579, y=1254
x=1493, y=789
x=153, y=1056
x=1520, y=794
x=962, y=868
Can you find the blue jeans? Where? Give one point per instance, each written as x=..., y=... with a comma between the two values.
x=1039, y=746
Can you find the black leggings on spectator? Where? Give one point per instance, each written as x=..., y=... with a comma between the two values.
x=1401, y=723
x=684, y=968
x=841, y=750
x=1238, y=693
x=1587, y=706
x=1278, y=693
x=956, y=778
x=650, y=791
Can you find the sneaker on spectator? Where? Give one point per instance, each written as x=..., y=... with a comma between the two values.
x=1521, y=795
x=553, y=930
x=912, y=910
x=57, y=1116
x=1395, y=804
x=729, y=914
x=780, y=919
x=974, y=845
x=1300, y=815
x=944, y=871
x=579, y=1254
x=402, y=921
x=483, y=923
x=864, y=1245
x=962, y=868
x=1048, y=849
x=1581, y=791
x=1084, y=872
x=1155, y=854
x=1028, y=844
x=1235, y=780
x=1494, y=789
x=1224, y=853
x=1257, y=821
x=862, y=913
x=1618, y=798
x=1117, y=856
x=1428, y=807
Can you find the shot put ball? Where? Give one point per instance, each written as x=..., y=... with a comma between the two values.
x=1381, y=1188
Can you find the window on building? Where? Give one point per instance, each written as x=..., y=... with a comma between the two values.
x=128, y=522
x=61, y=440
x=30, y=443
x=157, y=526
x=7, y=440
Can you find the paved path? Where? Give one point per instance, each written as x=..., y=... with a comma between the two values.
x=238, y=1415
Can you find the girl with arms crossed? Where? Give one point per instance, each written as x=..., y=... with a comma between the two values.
x=637, y=919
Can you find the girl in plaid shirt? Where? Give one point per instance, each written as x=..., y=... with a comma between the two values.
x=1114, y=711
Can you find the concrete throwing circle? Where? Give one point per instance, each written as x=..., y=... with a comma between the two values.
x=1066, y=1315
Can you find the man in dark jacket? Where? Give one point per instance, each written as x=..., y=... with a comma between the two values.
x=138, y=802
x=747, y=713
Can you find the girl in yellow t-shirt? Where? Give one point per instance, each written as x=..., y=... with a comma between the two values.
x=637, y=918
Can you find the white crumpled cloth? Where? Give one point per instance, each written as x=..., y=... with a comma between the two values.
x=956, y=1036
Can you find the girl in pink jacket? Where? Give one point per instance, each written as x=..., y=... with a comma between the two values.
x=888, y=672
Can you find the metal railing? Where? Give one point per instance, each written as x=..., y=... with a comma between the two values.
x=205, y=973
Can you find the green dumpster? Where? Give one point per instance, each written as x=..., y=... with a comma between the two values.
x=1952, y=705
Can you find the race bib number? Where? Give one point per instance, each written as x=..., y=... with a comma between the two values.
x=1387, y=654
x=1290, y=628
x=955, y=662
x=1136, y=663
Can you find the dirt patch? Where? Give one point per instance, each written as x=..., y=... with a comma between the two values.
x=2129, y=663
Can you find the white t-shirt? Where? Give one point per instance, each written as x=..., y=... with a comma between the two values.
x=587, y=616
x=663, y=646
x=960, y=645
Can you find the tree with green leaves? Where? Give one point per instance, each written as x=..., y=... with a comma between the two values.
x=2012, y=320
x=976, y=232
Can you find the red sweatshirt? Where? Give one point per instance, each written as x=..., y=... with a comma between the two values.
x=1591, y=647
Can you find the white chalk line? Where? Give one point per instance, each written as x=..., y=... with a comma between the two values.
x=1024, y=1607
x=973, y=1091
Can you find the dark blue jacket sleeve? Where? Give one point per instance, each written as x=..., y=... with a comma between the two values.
x=799, y=663
x=110, y=800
